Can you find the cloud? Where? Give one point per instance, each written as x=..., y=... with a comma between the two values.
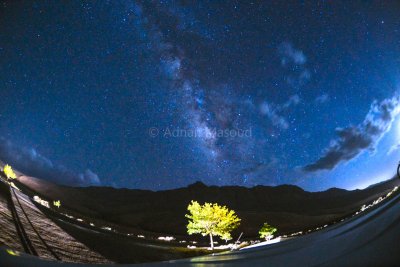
x=393, y=149
x=89, y=177
x=293, y=101
x=273, y=111
x=260, y=167
x=322, y=99
x=353, y=140
x=30, y=162
x=289, y=54
x=294, y=61
x=262, y=171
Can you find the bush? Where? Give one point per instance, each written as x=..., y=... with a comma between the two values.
x=267, y=231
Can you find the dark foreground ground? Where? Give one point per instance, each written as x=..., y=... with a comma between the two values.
x=28, y=227
x=288, y=208
x=105, y=225
x=368, y=239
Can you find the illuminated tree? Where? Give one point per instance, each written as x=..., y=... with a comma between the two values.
x=57, y=203
x=8, y=171
x=267, y=231
x=212, y=220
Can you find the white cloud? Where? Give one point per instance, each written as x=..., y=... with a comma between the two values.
x=353, y=140
x=294, y=61
x=321, y=99
x=273, y=111
x=89, y=177
x=31, y=162
x=393, y=149
x=293, y=101
x=272, y=114
x=291, y=54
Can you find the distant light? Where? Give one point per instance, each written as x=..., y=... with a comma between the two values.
x=166, y=238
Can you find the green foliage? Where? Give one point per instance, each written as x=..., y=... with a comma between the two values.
x=267, y=231
x=211, y=219
x=8, y=171
x=57, y=203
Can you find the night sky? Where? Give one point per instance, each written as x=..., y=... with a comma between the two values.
x=158, y=95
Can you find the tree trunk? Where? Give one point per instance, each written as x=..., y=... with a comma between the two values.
x=212, y=242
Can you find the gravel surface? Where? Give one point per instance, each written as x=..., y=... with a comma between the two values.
x=49, y=240
x=8, y=232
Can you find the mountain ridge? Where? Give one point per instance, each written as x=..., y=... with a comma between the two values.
x=288, y=207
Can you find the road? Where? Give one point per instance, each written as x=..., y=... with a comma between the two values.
x=369, y=239
x=27, y=229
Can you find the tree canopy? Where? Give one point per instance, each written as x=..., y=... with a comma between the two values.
x=267, y=231
x=211, y=219
x=57, y=203
x=8, y=171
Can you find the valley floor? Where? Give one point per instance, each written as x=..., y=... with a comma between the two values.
x=367, y=239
